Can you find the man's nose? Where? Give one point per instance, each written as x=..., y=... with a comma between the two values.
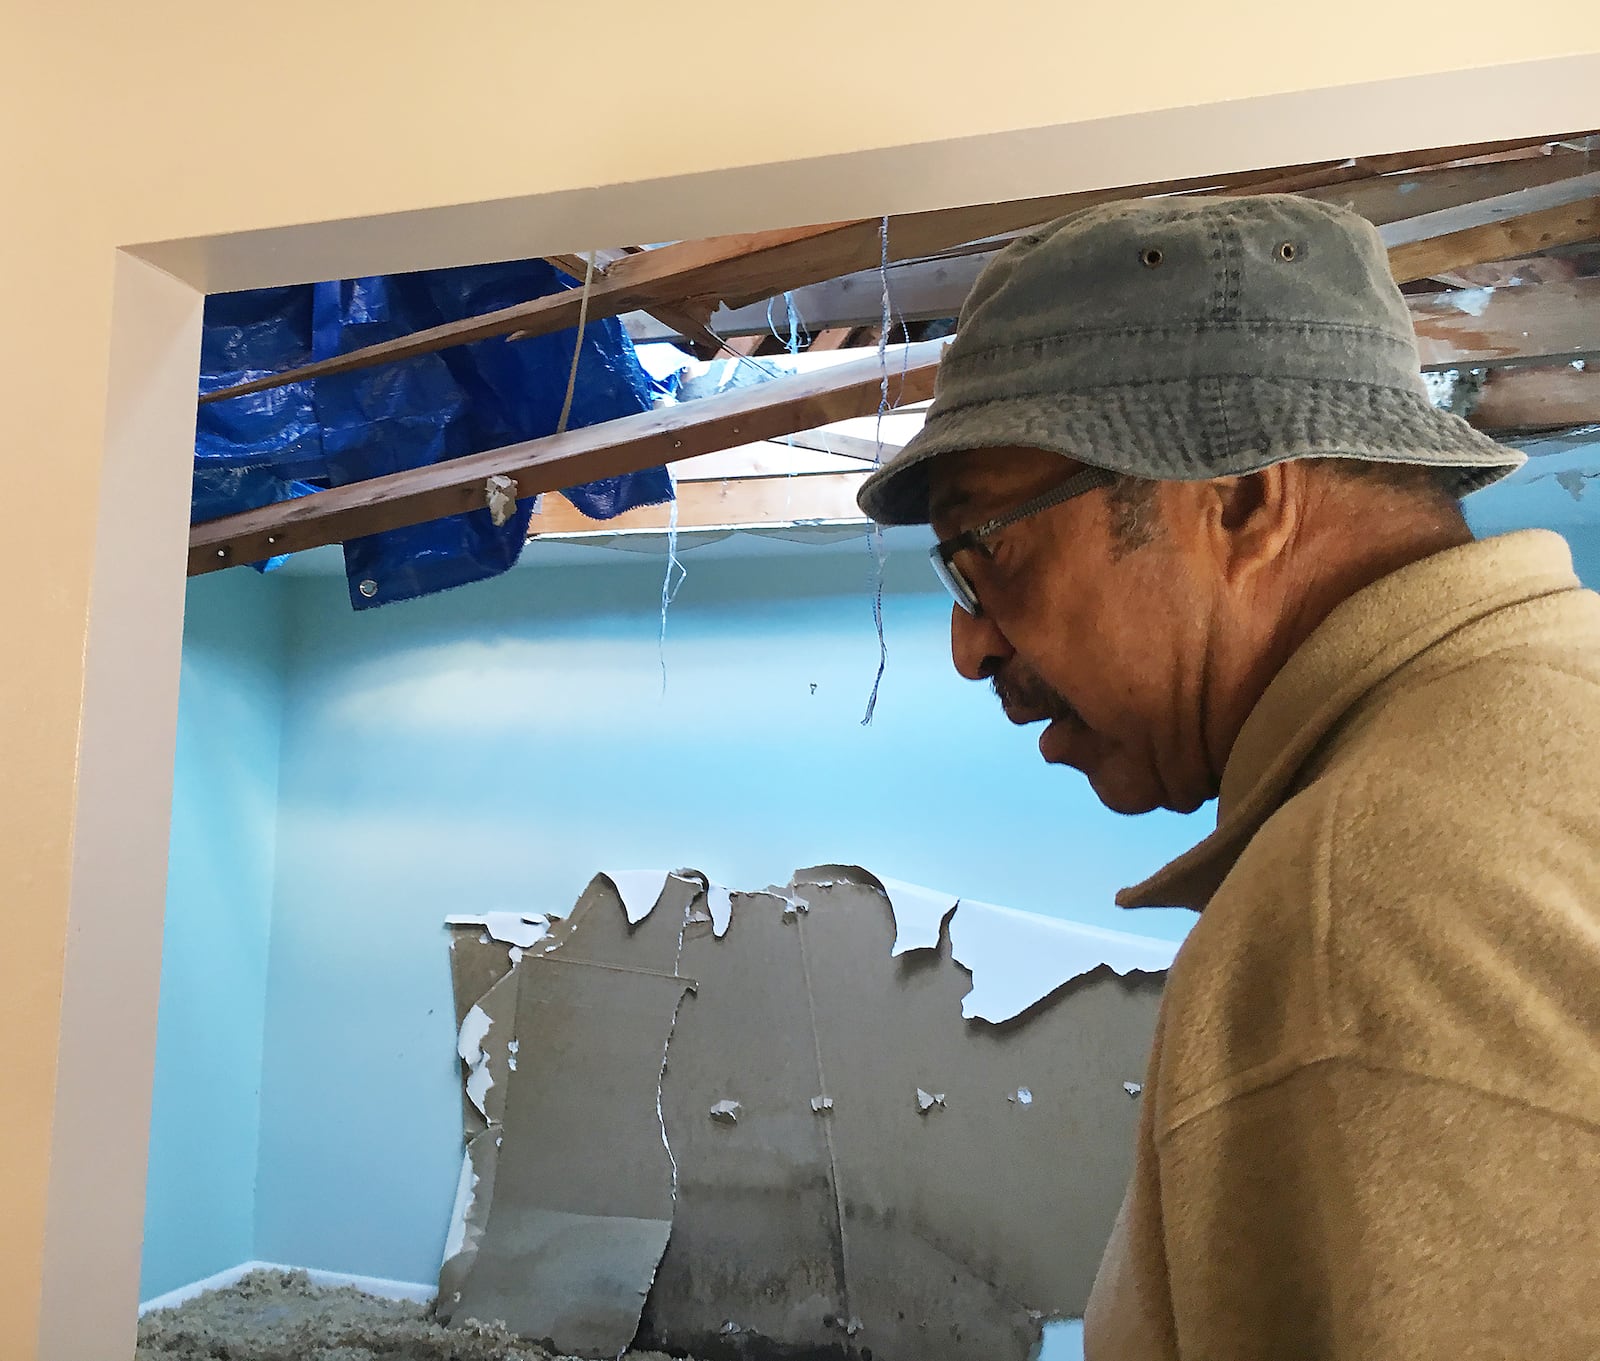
x=977, y=647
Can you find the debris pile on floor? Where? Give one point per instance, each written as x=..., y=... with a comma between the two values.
x=281, y=1316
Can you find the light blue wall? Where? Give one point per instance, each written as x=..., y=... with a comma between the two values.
x=204, y=1135
x=492, y=748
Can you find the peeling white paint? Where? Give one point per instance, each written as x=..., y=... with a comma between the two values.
x=727, y=1112
x=512, y=1046
x=1017, y=959
x=475, y=1026
x=521, y=929
x=926, y=1101
x=918, y=914
x=479, y=1080
x=822, y=1104
x=1133, y=1088
x=1023, y=1096
x=466, y=1190
x=719, y=901
x=639, y=890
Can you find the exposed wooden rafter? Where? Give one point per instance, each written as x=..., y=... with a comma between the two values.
x=1532, y=324
x=734, y=270
x=632, y=443
x=1525, y=234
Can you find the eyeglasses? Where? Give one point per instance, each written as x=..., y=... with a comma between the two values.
x=942, y=555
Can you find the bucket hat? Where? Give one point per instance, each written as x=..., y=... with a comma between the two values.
x=1184, y=339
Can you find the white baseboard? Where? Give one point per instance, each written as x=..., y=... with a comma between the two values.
x=372, y=1285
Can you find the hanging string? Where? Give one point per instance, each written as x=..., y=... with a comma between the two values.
x=669, y=586
x=875, y=540
x=577, y=345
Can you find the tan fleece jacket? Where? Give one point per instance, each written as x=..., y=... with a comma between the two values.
x=1371, y=1123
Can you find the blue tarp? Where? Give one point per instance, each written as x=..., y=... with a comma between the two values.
x=268, y=446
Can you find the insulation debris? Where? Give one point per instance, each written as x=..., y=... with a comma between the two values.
x=623, y=1215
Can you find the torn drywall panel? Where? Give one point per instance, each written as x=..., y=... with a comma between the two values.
x=755, y=1230
x=964, y=1220
x=923, y=1218
x=582, y=1204
x=1018, y=959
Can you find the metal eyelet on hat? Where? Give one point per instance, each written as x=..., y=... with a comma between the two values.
x=1287, y=252
x=1150, y=257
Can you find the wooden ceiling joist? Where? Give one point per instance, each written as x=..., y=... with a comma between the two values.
x=1495, y=327
x=931, y=289
x=1525, y=234
x=1518, y=401
x=696, y=276
x=739, y=416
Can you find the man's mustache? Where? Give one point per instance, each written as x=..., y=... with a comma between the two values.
x=1021, y=690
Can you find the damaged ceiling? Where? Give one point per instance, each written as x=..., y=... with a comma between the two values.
x=845, y=1117
x=1497, y=247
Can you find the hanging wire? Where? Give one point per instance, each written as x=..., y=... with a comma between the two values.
x=875, y=539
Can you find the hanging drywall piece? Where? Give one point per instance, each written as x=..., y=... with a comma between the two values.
x=719, y=902
x=796, y=1222
x=1018, y=959
x=573, y=1244
x=919, y=914
x=640, y=891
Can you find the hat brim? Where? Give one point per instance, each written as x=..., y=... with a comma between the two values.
x=1193, y=430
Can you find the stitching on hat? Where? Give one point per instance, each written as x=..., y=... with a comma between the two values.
x=1276, y=326
x=1228, y=304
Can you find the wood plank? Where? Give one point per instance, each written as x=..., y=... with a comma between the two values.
x=1533, y=324
x=933, y=289
x=1385, y=199
x=1519, y=400
x=736, y=503
x=630, y=444
x=1524, y=235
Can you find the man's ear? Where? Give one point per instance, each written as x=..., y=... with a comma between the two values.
x=1251, y=519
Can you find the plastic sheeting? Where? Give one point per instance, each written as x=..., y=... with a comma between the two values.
x=269, y=446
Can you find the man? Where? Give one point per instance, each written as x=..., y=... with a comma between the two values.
x=1200, y=518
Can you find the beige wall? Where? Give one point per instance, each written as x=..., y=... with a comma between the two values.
x=301, y=140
